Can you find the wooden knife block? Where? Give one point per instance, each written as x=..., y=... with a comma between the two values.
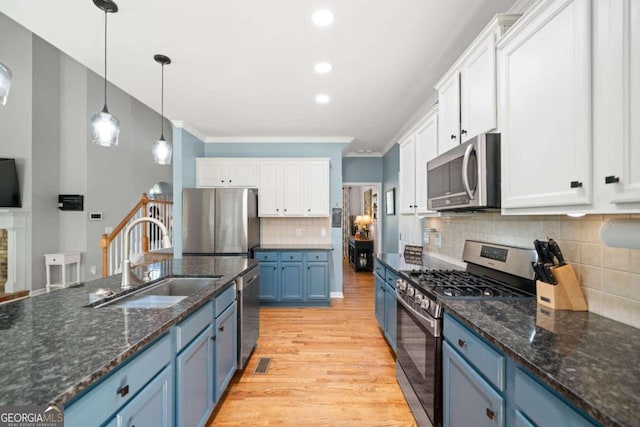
x=566, y=295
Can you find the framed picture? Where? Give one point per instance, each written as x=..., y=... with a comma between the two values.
x=336, y=217
x=390, y=201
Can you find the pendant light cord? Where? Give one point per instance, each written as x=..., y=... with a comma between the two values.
x=105, y=57
x=162, y=105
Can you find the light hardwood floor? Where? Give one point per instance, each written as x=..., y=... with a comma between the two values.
x=330, y=367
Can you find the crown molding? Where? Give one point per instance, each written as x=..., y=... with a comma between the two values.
x=413, y=121
x=356, y=154
x=181, y=124
x=280, y=139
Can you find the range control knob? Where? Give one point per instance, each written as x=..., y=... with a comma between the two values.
x=401, y=284
x=418, y=298
x=410, y=290
x=425, y=304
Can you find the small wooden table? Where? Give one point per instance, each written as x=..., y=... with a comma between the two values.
x=62, y=259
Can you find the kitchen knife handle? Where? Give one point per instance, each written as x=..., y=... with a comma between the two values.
x=555, y=249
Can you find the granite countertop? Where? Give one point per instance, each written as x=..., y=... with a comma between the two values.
x=53, y=347
x=294, y=247
x=591, y=360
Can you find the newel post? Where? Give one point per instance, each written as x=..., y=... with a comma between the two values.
x=104, y=244
x=145, y=213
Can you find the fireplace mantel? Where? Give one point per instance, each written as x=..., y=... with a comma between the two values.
x=15, y=222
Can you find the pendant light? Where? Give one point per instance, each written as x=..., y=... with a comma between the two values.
x=5, y=83
x=105, y=127
x=161, y=149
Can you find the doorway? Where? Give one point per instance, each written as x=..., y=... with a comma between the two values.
x=360, y=199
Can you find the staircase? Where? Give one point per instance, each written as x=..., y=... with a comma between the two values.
x=145, y=243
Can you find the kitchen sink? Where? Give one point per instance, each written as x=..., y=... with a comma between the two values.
x=163, y=294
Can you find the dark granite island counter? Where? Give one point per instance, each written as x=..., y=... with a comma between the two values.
x=591, y=360
x=53, y=347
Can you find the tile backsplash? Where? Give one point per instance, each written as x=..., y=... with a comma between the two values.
x=610, y=277
x=276, y=231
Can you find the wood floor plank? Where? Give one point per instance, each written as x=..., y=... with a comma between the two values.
x=330, y=367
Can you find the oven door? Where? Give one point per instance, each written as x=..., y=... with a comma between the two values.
x=419, y=362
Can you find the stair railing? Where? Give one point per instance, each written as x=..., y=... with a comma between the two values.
x=144, y=238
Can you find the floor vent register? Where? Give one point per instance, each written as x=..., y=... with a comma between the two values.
x=262, y=366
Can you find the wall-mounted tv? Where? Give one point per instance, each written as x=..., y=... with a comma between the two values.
x=9, y=187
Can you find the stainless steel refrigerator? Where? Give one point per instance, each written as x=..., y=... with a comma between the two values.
x=220, y=221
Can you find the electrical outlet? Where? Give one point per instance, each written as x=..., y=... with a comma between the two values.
x=298, y=232
x=323, y=232
x=438, y=239
x=93, y=269
x=425, y=237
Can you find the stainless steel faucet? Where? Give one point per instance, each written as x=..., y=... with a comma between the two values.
x=126, y=262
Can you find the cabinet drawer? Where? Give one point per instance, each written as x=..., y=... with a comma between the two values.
x=379, y=268
x=390, y=278
x=189, y=328
x=224, y=300
x=488, y=361
x=291, y=257
x=100, y=403
x=266, y=256
x=542, y=406
x=317, y=256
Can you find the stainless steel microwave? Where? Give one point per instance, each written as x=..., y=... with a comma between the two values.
x=466, y=177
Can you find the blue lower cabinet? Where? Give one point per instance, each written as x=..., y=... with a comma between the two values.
x=225, y=349
x=390, y=315
x=291, y=284
x=522, y=421
x=317, y=281
x=468, y=400
x=153, y=406
x=194, y=385
x=290, y=278
x=268, y=281
x=379, y=300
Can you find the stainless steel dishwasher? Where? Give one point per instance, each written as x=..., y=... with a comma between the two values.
x=248, y=314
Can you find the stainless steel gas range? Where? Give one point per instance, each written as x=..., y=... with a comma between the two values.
x=493, y=272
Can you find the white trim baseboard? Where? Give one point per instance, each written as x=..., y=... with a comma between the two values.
x=37, y=292
x=337, y=295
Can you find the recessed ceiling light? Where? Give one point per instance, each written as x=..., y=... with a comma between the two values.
x=322, y=98
x=322, y=67
x=322, y=17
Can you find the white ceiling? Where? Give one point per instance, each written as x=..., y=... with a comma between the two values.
x=244, y=68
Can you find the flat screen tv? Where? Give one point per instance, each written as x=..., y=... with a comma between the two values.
x=9, y=187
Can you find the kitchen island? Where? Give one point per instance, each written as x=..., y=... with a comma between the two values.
x=588, y=360
x=54, y=347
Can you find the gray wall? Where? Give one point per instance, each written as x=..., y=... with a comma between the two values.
x=362, y=169
x=45, y=127
x=391, y=168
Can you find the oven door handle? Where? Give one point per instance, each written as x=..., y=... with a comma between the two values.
x=465, y=171
x=431, y=323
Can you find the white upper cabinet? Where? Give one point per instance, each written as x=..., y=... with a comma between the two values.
x=544, y=64
x=318, y=184
x=226, y=172
x=617, y=104
x=293, y=187
x=467, y=93
x=416, y=149
x=407, y=175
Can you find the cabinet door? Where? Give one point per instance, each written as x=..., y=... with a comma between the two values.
x=152, y=406
x=293, y=188
x=225, y=349
x=449, y=107
x=478, y=108
x=317, y=192
x=242, y=173
x=468, y=400
x=426, y=148
x=317, y=281
x=270, y=190
x=291, y=281
x=194, y=380
x=268, y=281
x=379, y=300
x=407, y=175
x=545, y=103
x=211, y=173
x=390, y=315
x=617, y=110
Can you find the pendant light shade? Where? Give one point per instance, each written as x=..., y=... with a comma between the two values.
x=5, y=83
x=162, y=149
x=105, y=127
